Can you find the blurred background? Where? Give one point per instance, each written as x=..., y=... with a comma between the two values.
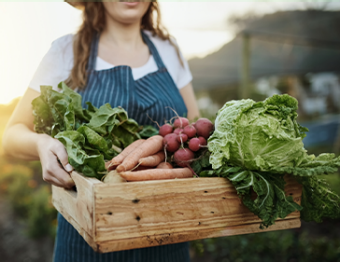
x=235, y=50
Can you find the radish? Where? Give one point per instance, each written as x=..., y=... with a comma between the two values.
x=183, y=156
x=170, y=142
x=178, y=131
x=165, y=129
x=190, y=131
x=182, y=138
x=194, y=144
x=204, y=127
x=181, y=122
x=203, y=141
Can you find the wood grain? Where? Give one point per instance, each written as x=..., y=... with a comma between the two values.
x=77, y=206
x=140, y=214
x=163, y=239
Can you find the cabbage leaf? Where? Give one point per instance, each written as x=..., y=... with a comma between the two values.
x=255, y=144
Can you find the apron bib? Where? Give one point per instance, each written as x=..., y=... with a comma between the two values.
x=150, y=96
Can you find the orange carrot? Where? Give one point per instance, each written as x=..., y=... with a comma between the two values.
x=157, y=174
x=165, y=165
x=150, y=147
x=120, y=158
x=141, y=168
x=153, y=160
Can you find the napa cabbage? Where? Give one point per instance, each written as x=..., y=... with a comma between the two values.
x=255, y=144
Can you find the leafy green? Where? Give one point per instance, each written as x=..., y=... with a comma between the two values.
x=148, y=131
x=318, y=200
x=201, y=161
x=270, y=202
x=257, y=136
x=255, y=143
x=90, y=135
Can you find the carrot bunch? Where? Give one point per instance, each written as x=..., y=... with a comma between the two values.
x=144, y=160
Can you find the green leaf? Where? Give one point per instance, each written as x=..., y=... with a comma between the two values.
x=106, y=116
x=311, y=166
x=318, y=200
x=265, y=141
x=93, y=139
x=257, y=136
x=77, y=156
x=100, y=134
x=148, y=131
x=43, y=119
x=125, y=137
x=76, y=101
x=271, y=201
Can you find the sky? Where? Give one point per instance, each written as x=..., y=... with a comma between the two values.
x=27, y=30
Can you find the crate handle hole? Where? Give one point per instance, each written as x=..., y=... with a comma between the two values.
x=72, y=191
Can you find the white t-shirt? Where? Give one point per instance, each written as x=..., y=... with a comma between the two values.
x=57, y=64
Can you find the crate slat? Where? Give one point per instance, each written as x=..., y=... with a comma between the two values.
x=113, y=217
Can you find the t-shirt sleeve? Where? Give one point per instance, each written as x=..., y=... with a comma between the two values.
x=51, y=70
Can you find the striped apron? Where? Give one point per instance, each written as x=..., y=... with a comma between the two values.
x=151, y=95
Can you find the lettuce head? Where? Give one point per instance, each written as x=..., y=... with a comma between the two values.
x=258, y=135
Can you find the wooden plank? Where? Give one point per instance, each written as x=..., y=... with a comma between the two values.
x=163, y=239
x=140, y=214
x=77, y=206
x=139, y=209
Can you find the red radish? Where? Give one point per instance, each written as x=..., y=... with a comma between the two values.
x=165, y=129
x=190, y=131
x=182, y=138
x=183, y=156
x=178, y=131
x=194, y=144
x=181, y=122
x=204, y=127
x=170, y=142
x=203, y=141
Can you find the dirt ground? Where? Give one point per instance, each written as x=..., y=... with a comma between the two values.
x=15, y=245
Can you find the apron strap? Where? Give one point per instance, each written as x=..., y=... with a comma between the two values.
x=153, y=51
x=93, y=53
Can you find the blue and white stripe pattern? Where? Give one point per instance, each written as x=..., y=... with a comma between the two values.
x=71, y=247
x=151, y=96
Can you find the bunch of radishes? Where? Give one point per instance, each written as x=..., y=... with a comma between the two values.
x=182, y=139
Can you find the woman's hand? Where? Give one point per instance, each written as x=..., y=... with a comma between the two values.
x=51, y=150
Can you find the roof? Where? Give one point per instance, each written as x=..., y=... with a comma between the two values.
x=284, y=43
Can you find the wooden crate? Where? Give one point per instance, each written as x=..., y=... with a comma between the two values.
x=113, y=217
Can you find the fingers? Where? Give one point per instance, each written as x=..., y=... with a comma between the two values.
x=60, y=151
x=54, y=173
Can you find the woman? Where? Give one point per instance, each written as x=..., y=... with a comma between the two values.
x=121, y=56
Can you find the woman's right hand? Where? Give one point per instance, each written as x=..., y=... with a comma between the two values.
x=55, y=172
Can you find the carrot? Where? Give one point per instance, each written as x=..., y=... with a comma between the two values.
x=150, y=147
x=120, y=158
x=153, y=160
x=156, y=174
x=141, y=168
x=165, y=165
